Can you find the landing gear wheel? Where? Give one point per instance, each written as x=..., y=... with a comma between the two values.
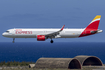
x=51, y=41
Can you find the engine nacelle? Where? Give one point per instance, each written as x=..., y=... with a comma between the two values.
x=41, y=38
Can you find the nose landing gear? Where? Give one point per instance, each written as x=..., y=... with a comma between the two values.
x=13, y=40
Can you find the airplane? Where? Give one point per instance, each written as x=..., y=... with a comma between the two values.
x=43, y=34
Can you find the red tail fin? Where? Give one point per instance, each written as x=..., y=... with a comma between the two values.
x=94, y=23
x=92, y=27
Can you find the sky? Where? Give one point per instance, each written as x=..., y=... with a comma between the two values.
x=51, y=14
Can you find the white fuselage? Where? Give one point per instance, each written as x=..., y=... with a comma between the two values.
x=32, y=33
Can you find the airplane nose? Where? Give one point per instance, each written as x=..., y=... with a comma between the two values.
x=3, y=34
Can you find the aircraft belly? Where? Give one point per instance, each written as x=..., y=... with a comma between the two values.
x=69, y=36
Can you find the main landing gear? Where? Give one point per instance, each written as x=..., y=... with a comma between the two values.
x=51, y=41
x=13, y=40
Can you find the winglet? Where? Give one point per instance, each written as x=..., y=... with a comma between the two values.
x=62, y=27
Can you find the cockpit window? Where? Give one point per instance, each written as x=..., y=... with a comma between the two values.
x=7, y=31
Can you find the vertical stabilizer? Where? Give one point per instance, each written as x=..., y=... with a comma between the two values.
x=92, y=28
x=94, y=23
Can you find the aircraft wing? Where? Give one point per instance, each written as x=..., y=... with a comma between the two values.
x=55, y=34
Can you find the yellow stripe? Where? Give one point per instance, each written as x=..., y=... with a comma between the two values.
x=97, y=17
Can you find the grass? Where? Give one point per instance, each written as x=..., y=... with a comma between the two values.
x=15, y=63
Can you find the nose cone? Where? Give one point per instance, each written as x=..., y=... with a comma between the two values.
x=3, y=34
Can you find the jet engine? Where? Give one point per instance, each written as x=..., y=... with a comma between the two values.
x=41, y=38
